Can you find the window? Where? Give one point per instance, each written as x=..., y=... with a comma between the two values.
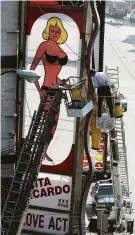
x=105, y=191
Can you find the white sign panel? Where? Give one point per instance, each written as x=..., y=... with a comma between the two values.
x=70, y=47
x=46, y=221
x=52, y=191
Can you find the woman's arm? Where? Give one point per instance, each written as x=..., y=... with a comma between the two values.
x=40, y=51
x=59, y=81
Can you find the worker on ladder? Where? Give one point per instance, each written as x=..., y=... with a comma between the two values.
x=101, y=83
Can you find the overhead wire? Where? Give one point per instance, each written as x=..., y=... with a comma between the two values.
x=27, y=105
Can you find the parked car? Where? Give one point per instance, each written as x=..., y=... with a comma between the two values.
x=132, y=16
x=103, y=195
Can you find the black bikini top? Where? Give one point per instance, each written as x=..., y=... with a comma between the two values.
x=52, y=59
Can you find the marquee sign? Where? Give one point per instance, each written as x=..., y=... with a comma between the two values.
x=46, y=222
x=52, y=191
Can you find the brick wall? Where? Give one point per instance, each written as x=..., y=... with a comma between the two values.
x=9, y=27
x=5, y=185
x=7, y=171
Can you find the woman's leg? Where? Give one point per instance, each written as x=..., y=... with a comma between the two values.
x=53, y=119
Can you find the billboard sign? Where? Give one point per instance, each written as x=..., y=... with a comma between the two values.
x=52, y=191
x=46, y=222
x=55, y=58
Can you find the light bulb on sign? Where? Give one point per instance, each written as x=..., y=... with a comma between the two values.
x=99, y=156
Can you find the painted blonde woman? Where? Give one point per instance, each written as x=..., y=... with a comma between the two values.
x=51, y=54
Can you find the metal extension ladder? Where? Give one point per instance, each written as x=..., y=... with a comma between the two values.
x=120, y=137
x=113, y=75
x=40, y=134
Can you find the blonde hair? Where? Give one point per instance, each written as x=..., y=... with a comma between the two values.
x=53, y=22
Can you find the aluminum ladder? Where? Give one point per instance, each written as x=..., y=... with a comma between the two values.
x=113, y=75
x=120, y=137
x=40, y=134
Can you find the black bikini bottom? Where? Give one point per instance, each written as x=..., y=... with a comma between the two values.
x=52, y=91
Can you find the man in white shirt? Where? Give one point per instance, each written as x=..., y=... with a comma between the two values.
x=101, y=83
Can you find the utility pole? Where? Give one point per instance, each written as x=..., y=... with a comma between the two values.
x=101, y=223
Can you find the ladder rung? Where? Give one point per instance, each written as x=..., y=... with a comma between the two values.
x=18, y=182
x=21, y=172
x=6, y=221
x=34, y=135
x=30, y=141
x=38, y=122
x=14, y=191
x=5, y=231
x=37, y=125
x=24, y=162
x=113, y=74
x=27, y=153
x=38, y=115
x=12, y=202
x=9, y=211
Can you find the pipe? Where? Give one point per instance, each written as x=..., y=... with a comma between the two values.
x=89, y=176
